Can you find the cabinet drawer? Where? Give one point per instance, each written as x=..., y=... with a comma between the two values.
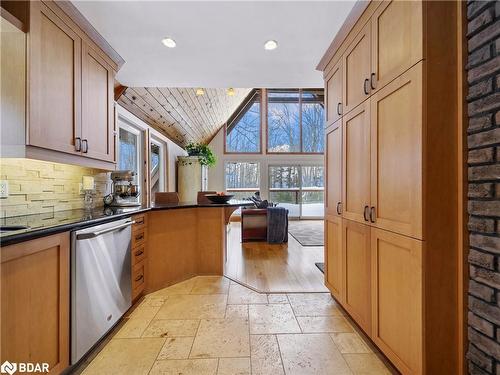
x=138, y=254
x=139, y=237
x=138, y=278
x=140, y=222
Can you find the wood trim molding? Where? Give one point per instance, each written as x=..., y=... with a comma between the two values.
x=119, y=91
x=344, y=30
x=5, y=14
x=78, y=18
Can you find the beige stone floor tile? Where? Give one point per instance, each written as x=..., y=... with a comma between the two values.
x=314, y=304
x=126, y=356
x=234, y=366
x=366, y=364
x=144, y=312
x=185, y=367
x=153, y=301
x=240, y=295
x=350, y=343
x=277, y=298
x=193, y=307
x=210, y=285
x=218, y=338
x=237, y=311
x=265, y=355
x=132, y=328
x=184, y=287
x=270, y=319
x=176, y=348
x=313, y=354
x=324, y=324
x=171, y=328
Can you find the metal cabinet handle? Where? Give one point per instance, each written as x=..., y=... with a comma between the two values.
x=140, y=221
x=139, y=237
x=138, y=253
x=86, y=144
x=365, y=213
x=339, y=110
x=339, y=209
x=365, y=88
x=373, y=81
x=78, y=144
x=140, y=277
x=372, y=214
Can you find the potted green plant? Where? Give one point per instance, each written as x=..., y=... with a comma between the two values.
x=203, y=152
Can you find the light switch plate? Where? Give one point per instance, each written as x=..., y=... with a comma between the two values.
x=4, y=189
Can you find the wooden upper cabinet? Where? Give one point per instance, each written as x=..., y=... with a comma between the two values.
x=397, y=33
x=396, y=155
x=356, y=163
x=356, y=70
x=333, y=156
x=334, y=275
x=334, y=94
x=54, y=78
x=397, y=298
x=98, y=125
x=35, y=302
x=357, y=267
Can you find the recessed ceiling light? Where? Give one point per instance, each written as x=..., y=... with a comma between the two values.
x=230, y=91
x=270, y=45
x=200, y=92
x=168, y=42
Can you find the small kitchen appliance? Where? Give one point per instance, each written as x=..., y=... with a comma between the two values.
x=125, y=190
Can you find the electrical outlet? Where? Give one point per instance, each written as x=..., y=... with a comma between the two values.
x=4, y=189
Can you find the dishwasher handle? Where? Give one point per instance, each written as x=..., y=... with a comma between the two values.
x=86, y=236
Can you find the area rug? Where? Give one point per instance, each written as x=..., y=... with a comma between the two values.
x=307, y=232
x=321, y=267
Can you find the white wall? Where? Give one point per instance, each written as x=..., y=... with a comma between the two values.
x=173, y=152
x=216, y=174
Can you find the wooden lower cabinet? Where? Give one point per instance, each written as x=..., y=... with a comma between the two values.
x=357, y=269
x=397, y=298
x=139, y=254
x=334, y=276
x=35, y=302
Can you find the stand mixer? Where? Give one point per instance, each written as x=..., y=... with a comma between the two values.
x=125, y=192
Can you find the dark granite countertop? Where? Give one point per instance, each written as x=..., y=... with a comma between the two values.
x=40, y=225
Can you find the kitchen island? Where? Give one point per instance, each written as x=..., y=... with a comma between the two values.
x=185, y=240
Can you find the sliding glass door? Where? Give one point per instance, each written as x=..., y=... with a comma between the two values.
x=298, y=188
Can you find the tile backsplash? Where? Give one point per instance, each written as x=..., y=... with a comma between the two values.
x=37, y=187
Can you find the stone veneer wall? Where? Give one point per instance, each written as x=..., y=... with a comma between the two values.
x=483, y=76
x=38, y=187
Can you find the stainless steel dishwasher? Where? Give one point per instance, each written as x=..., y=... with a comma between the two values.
x=100, y=282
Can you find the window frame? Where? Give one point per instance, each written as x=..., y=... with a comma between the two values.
x=124, y=124
x=301, y=131
x=239, y=111
x=240, y=190
x=162, y=163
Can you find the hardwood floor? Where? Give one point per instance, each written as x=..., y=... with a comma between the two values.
x=274, y=268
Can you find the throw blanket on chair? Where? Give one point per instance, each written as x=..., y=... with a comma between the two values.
x=277, y=225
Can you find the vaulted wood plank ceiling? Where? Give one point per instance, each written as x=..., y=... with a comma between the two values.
x=179, y=113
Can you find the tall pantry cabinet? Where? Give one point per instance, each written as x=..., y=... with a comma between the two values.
x=391, y=164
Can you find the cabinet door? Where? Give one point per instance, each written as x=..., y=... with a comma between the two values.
x=98, y=123
x=357, y=66
x=54, y=77
x=357, y=266
x=333, y=161
x=356, y=163
x=334, y=279
x=396, y=161
x=397, y=31
x=397, y=299
x=35, y=302
x=333, y=83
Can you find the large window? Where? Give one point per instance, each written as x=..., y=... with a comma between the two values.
x=295, y=120
x=298, y=188
x=129, y=150
x=242, y=179
x=243, y=129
